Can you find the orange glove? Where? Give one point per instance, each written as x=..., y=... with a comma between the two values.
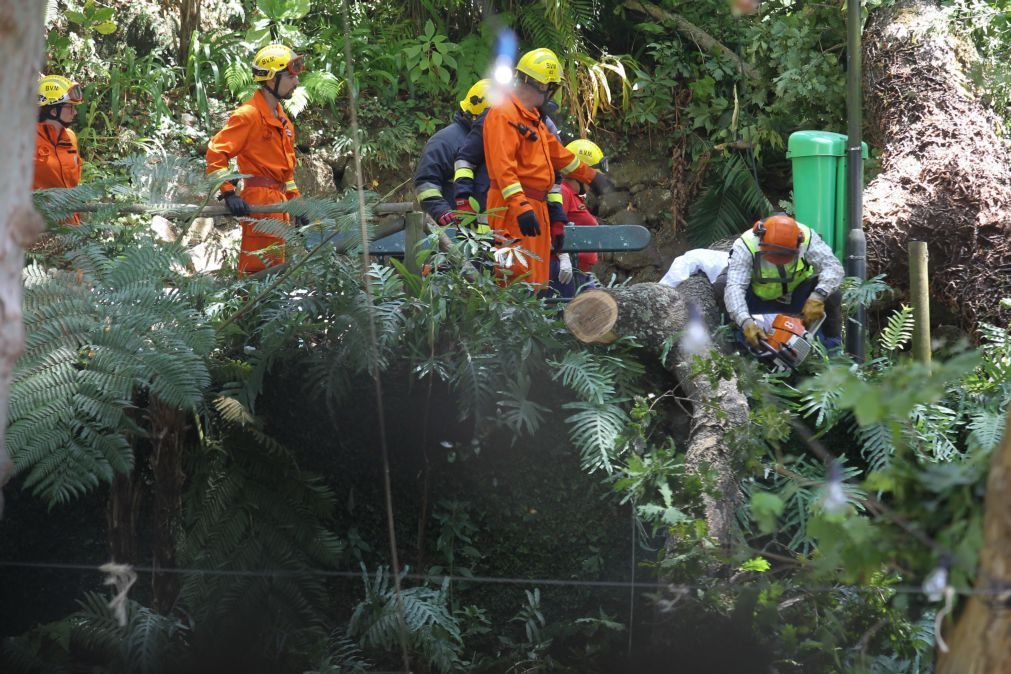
x=814, y=310
x=752, y=332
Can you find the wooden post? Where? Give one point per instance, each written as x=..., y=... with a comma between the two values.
x=981, y=642
x=414, y=231
x=919, y=291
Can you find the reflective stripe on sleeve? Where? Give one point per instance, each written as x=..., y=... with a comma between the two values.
x=428, y=194
x=510, y=190
x=571, y=167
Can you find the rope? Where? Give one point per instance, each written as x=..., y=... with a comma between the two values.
x=678, y=588
x=373, y=342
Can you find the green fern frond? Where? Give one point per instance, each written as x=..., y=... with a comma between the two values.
x=322, y=86
x=986, y=428
x=251, y=510
x=898, y=331
x=94, y=341
x=595, y=430
x=877, y=445
x=580, y=371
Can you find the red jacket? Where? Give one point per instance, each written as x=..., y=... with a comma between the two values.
x=575, y=208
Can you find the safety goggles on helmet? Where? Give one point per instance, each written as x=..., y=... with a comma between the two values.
x=58, y=90
x=75, y=95
x=549, y=89
x=296, y=66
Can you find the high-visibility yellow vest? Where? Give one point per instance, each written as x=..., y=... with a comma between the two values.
x=771, y=281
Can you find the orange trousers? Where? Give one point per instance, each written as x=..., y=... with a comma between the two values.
x=252, y=256
x=535, y=267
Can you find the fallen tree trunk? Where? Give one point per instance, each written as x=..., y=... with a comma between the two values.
x=186, y=211
x=651, y=313
x=945, y=166
x=981, y=643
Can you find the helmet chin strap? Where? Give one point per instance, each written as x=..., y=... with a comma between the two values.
x=277, y=85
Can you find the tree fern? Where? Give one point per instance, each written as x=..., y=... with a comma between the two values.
x=94, y=340
x=730, y=203
x=255, y=510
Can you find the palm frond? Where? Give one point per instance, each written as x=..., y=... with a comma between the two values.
x=730, y=202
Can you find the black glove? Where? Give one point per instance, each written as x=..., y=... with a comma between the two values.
x=601, y=184
x=235, y=204
x=301, y=220
x=557, y=242
x=529, y=224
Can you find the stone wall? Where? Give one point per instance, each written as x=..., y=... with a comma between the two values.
x=642, y=176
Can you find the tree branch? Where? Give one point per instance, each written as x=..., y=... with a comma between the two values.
x=704, y=40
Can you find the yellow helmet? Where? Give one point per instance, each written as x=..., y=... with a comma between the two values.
x=476, y=100
x=274, y=59
x=589, y=153
x=541, y=65
x=56, y=90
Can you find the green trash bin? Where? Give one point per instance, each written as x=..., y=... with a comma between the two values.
x=819, y=184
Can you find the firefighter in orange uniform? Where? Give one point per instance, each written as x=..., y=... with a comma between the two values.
x=261, y=137
x=57, y=161
x=522, y=157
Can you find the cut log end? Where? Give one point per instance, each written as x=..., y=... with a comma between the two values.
x=591, y=317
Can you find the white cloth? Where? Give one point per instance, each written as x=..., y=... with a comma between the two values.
x=712, y=262
x=564, y=268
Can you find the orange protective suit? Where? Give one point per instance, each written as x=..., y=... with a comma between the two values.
x=522, y=171
x=57, y=161
x=264, y=145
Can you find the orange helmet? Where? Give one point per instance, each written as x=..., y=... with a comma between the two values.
x=779, y=238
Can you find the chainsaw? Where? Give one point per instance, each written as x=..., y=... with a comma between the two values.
x=788, y=343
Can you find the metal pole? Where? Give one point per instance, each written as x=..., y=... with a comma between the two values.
x=919, y=291
x=856, y=242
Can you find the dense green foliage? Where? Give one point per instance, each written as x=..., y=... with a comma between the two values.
x=517, y=453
